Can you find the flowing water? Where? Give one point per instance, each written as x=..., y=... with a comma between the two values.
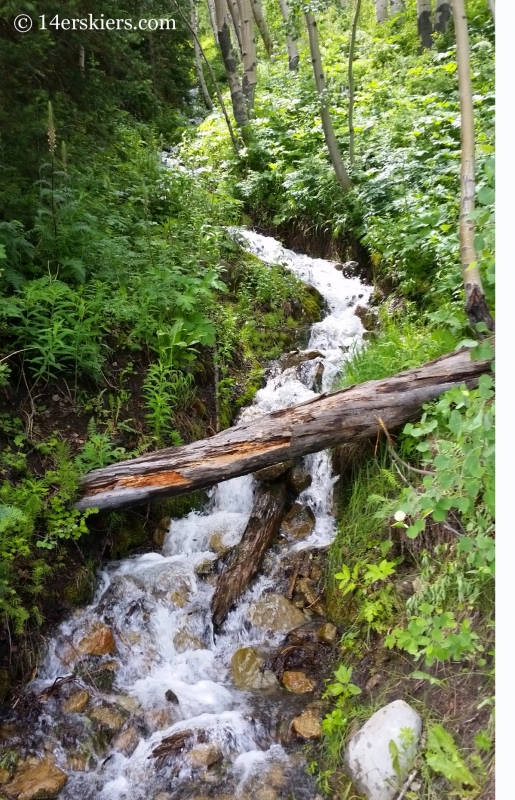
x=158, y=607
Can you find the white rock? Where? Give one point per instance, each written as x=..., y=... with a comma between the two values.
x=368, y=760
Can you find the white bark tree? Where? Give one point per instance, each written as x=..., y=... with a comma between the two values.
x=424, y=23
x=224, y=41
x=262, y=26
x=381, y=10
x=234, y=11
x=212, y=18
x=491, y=5
x=293, y=52
x=212, y=74
x=248, y=53
x=396, y=6
x=442, y=15
x=327, y=124
x=352, y=48
x=198, y=57
x=475, y=303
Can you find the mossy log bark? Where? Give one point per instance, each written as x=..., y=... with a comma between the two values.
x=247, y=558
x=326, y=420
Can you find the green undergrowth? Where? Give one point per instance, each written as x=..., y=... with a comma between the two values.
x=405, y=340
x=410, y=582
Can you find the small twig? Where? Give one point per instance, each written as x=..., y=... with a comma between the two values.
x=451, y=529
x=397, y=457
x=217, y=396
x=407, y=784
x=86, y=670
x=23, y=350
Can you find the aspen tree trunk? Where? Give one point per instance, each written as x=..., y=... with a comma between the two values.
x=82, y=60
x=293, y=52
x=424, y=24
x=212, y=18
x=213, y=78
x=264, y=31
x=442, y=16
x=198, y=57
x=475, y=302
x=248, y=53
x=327, y=125
x=491, y=6
x=396, y=6
x=381, y=10
x=224, y=41
x=236, y=22
x=352, y=48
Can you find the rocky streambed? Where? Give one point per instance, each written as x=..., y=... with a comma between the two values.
x=139, y=696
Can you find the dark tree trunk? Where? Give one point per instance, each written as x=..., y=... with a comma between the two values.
x=262, y=527
x=424, y=24
x=325, y=421
x=442, y=16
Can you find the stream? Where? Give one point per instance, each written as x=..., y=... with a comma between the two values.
x=145, y=660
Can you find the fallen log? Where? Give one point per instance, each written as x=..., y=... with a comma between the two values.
x=247, y=558
x=324, y=421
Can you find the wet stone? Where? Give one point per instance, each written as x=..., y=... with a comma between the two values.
x=36, y=780
x=77, y=703
x=100, y=675
x=219, y=545
x=266, y=794
x=298, y=522
x=307, y=725
x=349, y=268
x=246, y=673
x=306, y=588
x=273, y=472
x=171, y=696
x=181, y=596
x=205, y=566
x=78, y=762
x=368, y=316
x=4, y=776
x=318, y=378
x=274, y=612
x=160, y=720
x=298, y=479
x=183, y=641
x=160, y=531
x=98, y=642
x=204, y=755
x=298, y=357
x=327, y=633
x=298, y=682
x=127, y=741
x=107, y=719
